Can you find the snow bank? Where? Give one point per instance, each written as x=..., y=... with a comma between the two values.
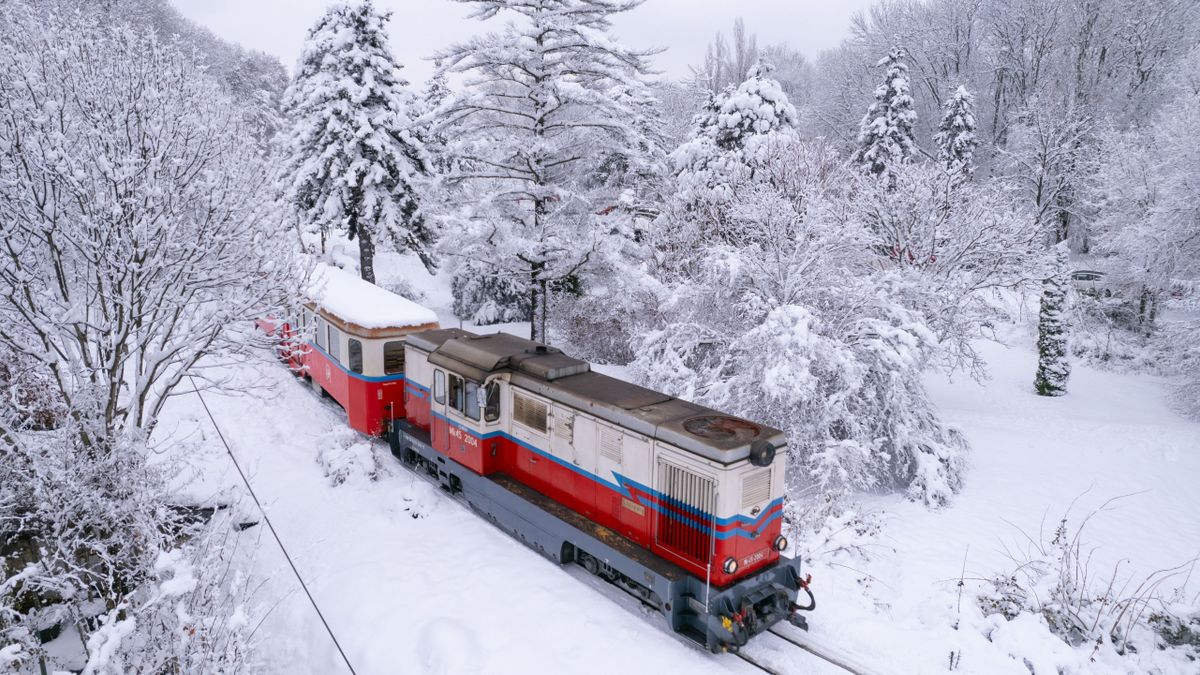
x=359, y=302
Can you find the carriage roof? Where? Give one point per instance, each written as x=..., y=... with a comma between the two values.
x=362, y=307
x=549, y=372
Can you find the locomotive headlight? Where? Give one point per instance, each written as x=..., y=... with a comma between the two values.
x=781, y=543
x=730, y=566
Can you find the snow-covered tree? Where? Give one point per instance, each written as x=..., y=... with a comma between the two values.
x=350, y=158
x=885, y=136
x=137, y=242
x=953, y=244
x=955, y=139
x=538, y=101
x=138, y=232
x=790, y=320
x=732, y=133
x=1053, y=365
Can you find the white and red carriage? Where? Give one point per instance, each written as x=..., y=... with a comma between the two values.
x=348, y=341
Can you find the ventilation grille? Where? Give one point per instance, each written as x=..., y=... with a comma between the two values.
x=564, y=426
x=756, y=488
x=610, y=444
x=683, y=522
x=530, y=413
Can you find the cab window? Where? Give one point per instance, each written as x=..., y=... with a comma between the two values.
x=491, y=410
x=439, y=386
x=472, y=401
x=457, y=393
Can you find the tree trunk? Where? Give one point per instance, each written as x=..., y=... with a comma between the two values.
x=366, y=255
x=537, y=312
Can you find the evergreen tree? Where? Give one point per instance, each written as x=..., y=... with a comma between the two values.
x=351, y=159
x=885, y=136
x=955, y=138
x=539, y=99
x=734, y=129
x=1053, y=366
x=436, y=95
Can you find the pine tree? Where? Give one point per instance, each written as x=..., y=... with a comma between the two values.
x=885, y=137
x=539, y=99
x=1053, y=366
x=436, y=95
x=955, y=138
x=733, y=128
x=351, y=160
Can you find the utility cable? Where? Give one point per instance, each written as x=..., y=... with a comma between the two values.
x=271, y=527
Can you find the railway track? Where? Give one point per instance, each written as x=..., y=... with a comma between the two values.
x=832, y=656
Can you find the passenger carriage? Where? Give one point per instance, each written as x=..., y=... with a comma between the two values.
x=349, y=343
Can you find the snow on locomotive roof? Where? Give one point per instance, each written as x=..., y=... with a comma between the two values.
x=362, y=303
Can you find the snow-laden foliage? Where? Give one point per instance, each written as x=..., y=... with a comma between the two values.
x=350, y=158
x=136, y=243
x=885, y=135
x=539, y=102
x=1055, y=579
x=1054, y=366
x=954, y=244
x=136, y=227
x=955, y=139
x=734, y=131
x=346, y=456
x=794, y=323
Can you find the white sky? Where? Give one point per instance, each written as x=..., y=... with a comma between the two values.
x=420, y=27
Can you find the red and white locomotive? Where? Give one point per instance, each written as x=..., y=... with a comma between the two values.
x=675, y=503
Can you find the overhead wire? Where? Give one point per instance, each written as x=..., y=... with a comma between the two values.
x=287, y=556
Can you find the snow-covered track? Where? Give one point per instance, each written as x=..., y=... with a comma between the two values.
x=756, y=664
x=831, y=655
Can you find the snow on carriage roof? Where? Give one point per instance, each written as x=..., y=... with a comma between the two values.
x=351, y=299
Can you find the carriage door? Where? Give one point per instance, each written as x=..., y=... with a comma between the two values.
x=685, y=522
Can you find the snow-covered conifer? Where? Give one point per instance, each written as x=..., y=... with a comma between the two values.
x=1053, y=366
x=351, y=160
x=885, y=136
x=955, y=138
x=539, y=99
x=734, y=129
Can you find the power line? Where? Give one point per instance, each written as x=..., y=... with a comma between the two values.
x=271, y=527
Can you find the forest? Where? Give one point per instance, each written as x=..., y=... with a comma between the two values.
x=806, y=241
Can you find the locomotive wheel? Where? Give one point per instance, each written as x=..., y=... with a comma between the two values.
x=590, y=564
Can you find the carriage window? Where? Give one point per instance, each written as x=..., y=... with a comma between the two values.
x=320, y=333
x=471, y=405
x=456, y=392
x=439, y=386
x=355, y=356
x=491, y=412
x=393, y=357
x=334, y=348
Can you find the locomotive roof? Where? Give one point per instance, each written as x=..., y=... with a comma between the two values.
x=549, y=372
x=363, y=304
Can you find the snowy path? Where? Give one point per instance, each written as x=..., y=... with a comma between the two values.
x=411, y=581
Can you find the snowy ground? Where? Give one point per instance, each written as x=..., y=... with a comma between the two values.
x=412, y=582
